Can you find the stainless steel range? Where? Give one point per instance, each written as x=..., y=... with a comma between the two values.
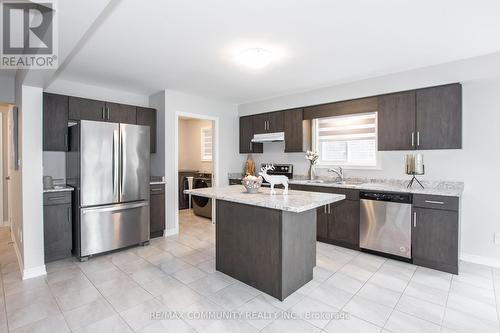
x=279, y=169
x=108, y=164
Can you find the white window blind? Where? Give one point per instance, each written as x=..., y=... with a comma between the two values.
x=347, y=140
x=206, y=144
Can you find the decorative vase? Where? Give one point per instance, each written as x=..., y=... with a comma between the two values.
x=311, y=172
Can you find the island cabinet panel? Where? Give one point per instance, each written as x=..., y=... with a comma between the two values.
x=396, y=121
x=439, y=117
x=322, y=223
x=271, y=250
x=147, y=117
x=435, y=233
x=246, y=136
x=55, y=122
x=86, y=109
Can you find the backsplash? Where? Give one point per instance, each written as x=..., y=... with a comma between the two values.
x=54, y=164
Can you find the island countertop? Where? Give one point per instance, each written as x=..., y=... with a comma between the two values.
x=294, y=201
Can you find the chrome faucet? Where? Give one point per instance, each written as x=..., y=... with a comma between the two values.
x=339, y=172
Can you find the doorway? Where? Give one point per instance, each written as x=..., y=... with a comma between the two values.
x=196, y=167
x=5, y=163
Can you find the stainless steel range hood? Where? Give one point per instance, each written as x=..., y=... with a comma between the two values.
x=269, y=137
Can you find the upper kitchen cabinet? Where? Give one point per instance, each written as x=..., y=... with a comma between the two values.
x=120, y=113
x=55, y=122
x=429, y=118
x=147, y=117
x=294, y=130
x=86, y=109
x=439, y=117
x=246, y=135
x=270, y=122
x=396, y=121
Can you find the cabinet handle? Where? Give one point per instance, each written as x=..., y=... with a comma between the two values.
x=324, y=209
x=435, y=202
x=108, y=112
x=414, y=219
x=251, y=145
x=57, y=198
x=156, y=189
x=69, y=214
x=413, y=139
x=103, y=115
x=329, y=209
x=418, y=138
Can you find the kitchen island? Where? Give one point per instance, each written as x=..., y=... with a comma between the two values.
x=266, y=241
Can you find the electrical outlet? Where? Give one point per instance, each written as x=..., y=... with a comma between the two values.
x=496, y=238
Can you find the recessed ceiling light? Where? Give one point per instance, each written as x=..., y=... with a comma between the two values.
x=255, y=58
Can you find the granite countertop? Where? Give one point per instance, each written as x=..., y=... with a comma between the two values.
x=156, y=180
x=58, y=188
x=454, y=189
x=295, y=201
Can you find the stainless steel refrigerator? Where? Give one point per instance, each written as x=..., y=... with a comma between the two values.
x=109, y=165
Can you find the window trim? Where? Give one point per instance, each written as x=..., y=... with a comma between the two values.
x=202, y=145
x=314, y=145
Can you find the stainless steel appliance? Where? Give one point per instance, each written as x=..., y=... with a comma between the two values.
x=385, y=223
x=279, y=169
x=202, y=206
x=109, y=165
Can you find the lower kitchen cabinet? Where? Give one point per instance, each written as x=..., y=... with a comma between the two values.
x=435, y=233
x=336, y=223
x=343, y=224
x=157, y=210
x=57, y=228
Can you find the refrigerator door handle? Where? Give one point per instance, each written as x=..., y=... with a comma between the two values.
x=116, y=163
x=121, y=158
x=115, y=208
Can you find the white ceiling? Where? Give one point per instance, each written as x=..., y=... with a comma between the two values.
x=189, y=45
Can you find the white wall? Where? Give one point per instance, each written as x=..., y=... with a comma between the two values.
x=476, y=164
x=190, y=145
x=177, y=102
x=78, y=89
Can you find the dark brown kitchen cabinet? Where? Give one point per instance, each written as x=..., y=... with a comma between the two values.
x=55, y=122
x=120, y=113
x=343, y=224
x=435, y=237
x=322, y=223
x=439, y=117
x=57, y=228
x=157, y=210
x=270, y=122
x=246, y=135
x=396, y=121
x=294, y=132
x=86, y=109
x=337, y=223
x=147, y=117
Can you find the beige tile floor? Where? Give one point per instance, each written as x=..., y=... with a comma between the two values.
x=118, y=293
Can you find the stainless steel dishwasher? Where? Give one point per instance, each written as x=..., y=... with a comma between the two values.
x=385, y=222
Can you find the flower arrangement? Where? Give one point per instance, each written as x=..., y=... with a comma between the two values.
x=312, y=156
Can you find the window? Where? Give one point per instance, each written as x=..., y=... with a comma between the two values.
x=206, y=144
x=349, y=141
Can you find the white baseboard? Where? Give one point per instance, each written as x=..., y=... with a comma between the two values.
x=5, y=224
x=34, y=272
x=488, y=261
x=171, y=232
x=16, y=249
x=29, y=272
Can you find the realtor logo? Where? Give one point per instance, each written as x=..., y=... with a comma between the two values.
x=28, y=35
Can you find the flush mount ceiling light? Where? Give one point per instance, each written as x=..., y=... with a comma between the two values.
x=255, y=58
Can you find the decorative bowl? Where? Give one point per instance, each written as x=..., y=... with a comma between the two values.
x=252, y=183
